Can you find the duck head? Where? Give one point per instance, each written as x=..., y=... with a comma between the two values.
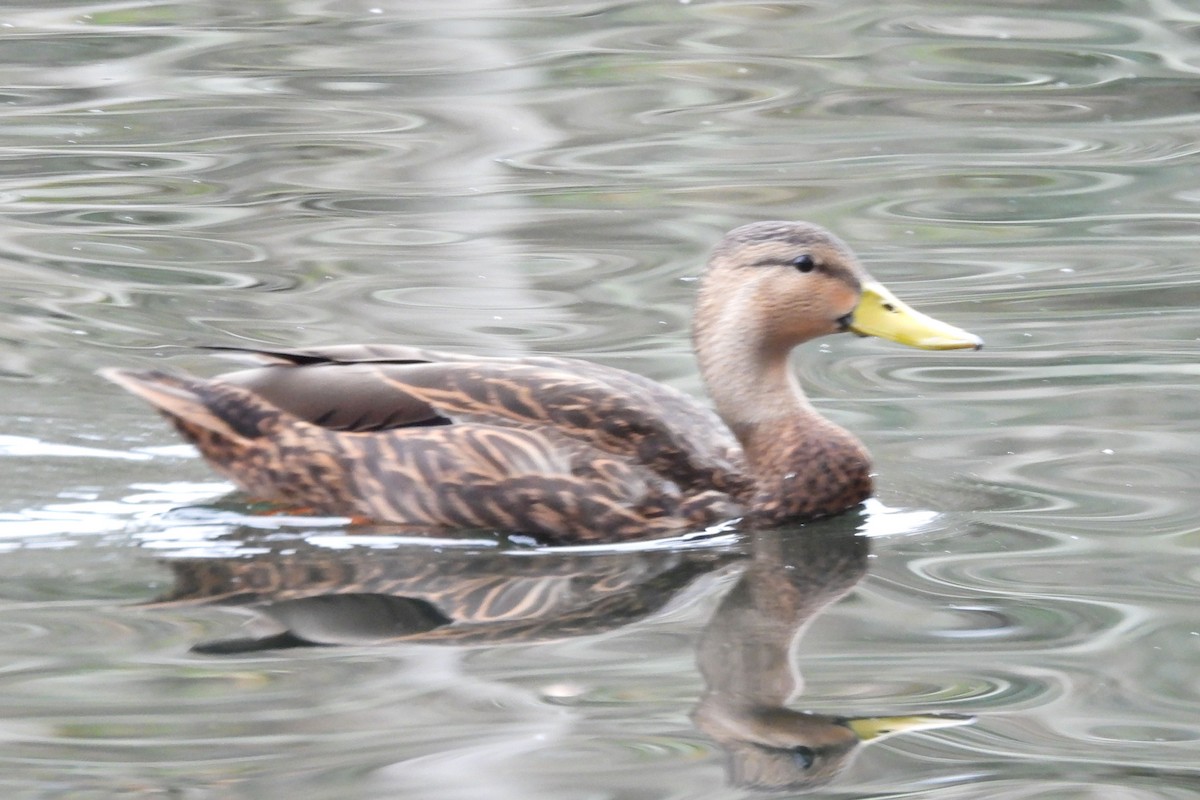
x=774, y=285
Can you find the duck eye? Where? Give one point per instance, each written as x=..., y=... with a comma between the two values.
x=804, y=756
x=804, y=263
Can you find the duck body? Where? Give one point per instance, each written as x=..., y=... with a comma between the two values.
x=565, y=450
x=560, y=449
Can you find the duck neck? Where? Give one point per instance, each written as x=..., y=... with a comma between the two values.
x=802, y=465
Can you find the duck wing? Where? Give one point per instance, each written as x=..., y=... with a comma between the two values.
x=364, y=388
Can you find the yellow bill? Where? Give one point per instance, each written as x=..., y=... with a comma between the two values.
x=880, y=313
x=868, y=728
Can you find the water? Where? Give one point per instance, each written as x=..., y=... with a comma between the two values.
x=546, y=177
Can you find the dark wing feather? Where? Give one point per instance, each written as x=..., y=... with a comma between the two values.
x=338, y=397
x=338, y=354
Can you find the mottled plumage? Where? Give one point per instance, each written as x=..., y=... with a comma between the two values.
x=566, y=450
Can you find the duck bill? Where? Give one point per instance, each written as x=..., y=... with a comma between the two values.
x=880, y=313
x=869, y=728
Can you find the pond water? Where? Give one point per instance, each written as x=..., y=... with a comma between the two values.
x=546, y=177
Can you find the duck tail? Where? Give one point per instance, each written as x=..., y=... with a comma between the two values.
x=191, y=403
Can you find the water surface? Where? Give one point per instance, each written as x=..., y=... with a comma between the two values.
x=546, y=178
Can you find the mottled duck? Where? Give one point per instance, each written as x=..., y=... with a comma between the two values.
x=565, y=450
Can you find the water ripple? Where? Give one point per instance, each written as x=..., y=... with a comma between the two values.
x=1051, y=28
x=923, y=689
x=1013, y=623
x=544, y=178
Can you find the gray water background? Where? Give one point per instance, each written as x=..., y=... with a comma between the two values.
x=547, y=177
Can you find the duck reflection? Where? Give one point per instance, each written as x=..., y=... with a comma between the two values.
x=782, y=580
x=746, y=656
x=315, y=596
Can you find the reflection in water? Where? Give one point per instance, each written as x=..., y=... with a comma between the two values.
x=746, y=657
x=312, y=597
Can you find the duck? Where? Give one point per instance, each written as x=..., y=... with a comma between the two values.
x=563, y=450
